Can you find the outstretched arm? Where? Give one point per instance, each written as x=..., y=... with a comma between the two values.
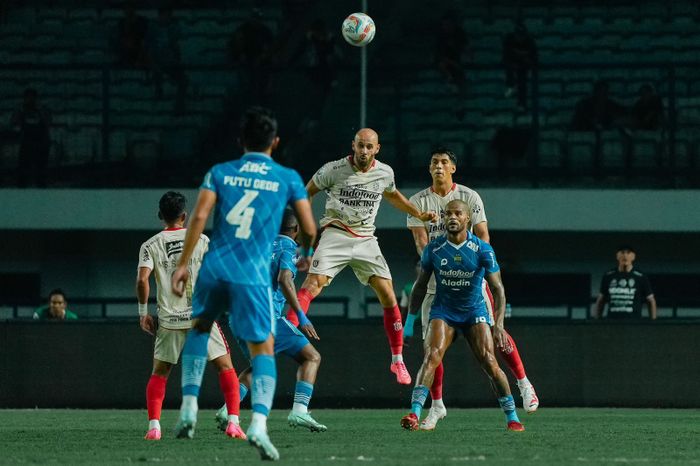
x=420, y=288
x=302, y=210
x=400, y=202
x=420, y=238
x=198, y=220
x=285, y=279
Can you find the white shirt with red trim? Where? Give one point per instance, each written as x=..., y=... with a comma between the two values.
x=428, y=200
x=353, y=196
x=161, y=254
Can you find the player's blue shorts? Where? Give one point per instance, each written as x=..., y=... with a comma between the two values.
x=461, y=320
x=251, y=316
x=288, y=339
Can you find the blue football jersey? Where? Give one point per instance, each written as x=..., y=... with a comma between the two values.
x=459, y=272
x=251, y=194
x=284, y=257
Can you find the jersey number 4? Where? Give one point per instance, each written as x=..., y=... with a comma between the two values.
x=242, y=214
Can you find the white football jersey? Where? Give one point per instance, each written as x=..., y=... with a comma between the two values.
x=353, y=196
x=161, y=254
x=428, y=200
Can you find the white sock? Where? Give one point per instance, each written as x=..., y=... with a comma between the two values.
x=438, y=404
x=189, y=403
x=258, y=422
x=154, y=424
x=523, y=382
x=396, y=358
x=233, y=418
x=298, y=408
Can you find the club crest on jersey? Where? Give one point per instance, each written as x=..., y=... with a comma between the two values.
x=173, y=247
x=458, y=258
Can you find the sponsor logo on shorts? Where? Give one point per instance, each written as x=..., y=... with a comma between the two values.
x=315, y=263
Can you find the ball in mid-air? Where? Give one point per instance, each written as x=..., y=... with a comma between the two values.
x=358, y=29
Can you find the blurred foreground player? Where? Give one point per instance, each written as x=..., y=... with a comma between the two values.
x=354, y=187
x=288, y=340
x=248, y=197
x=460, y=260
x=160, y=254
x=443, y=163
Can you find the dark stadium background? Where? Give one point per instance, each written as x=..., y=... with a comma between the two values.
x=559, y=201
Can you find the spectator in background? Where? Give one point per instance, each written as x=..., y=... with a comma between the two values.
x=625, y=289
x=451, y=50
x=131, y=39
x=519, y=58
x=597, y=111
x=249, y=48
x=163, y=45
x=33, y=122
x=648, y=110
x=56, y=309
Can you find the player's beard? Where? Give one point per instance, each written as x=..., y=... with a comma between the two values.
x=364, y=164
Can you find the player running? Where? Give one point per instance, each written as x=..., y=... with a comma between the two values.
x=288, y=340
x=354, y=186
x=443, y=163
x=248, y=197
x=160, y=254
x=459, y=260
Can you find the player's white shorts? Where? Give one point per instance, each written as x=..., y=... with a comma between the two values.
x=428, y=302
x=169, y=344
x=338, y=249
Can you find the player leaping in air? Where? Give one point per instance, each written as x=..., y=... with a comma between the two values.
x=174, y=316
x=443, y=164
x=354, y=187
x=459, y=261
x=288, y=340
x=248, y=197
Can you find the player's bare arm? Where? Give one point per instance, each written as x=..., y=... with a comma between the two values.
x=400, y=202
x=420, y=288
x=420, y=238
x=481, y=230
x=312, y=189
x=205, y=203
x=143, y=289
x=307, y=225
x=285, y=279
x=499, y=298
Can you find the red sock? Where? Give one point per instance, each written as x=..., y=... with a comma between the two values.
x=393, y=328
x=228, y=380
x=155, y=393
x=512, y=358
x=305, y=297
x=436, y=388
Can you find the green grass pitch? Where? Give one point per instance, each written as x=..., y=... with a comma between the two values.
x=553, y=436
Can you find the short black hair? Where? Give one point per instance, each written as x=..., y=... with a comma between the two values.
x=446, y=151
x=626, y=247
x=258, y=128
x=289, y=221
x=56, y=291
x=171, y=206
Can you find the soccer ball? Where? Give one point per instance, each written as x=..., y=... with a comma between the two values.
x=358, y=29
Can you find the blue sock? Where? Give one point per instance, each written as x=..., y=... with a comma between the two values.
x=194, y=361
x=263, y=385
x=508, y=407
x=420, y=394
x=302, y=393
x=243, y=390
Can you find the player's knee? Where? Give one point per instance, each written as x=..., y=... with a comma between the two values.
x=433, y=357
x=202, y=325
x=314, y=357
x=223, y=363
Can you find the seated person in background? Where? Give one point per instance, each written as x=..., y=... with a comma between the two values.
x=56, y=309
x=625, y=289
x=648, y=110
x=597, y=111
